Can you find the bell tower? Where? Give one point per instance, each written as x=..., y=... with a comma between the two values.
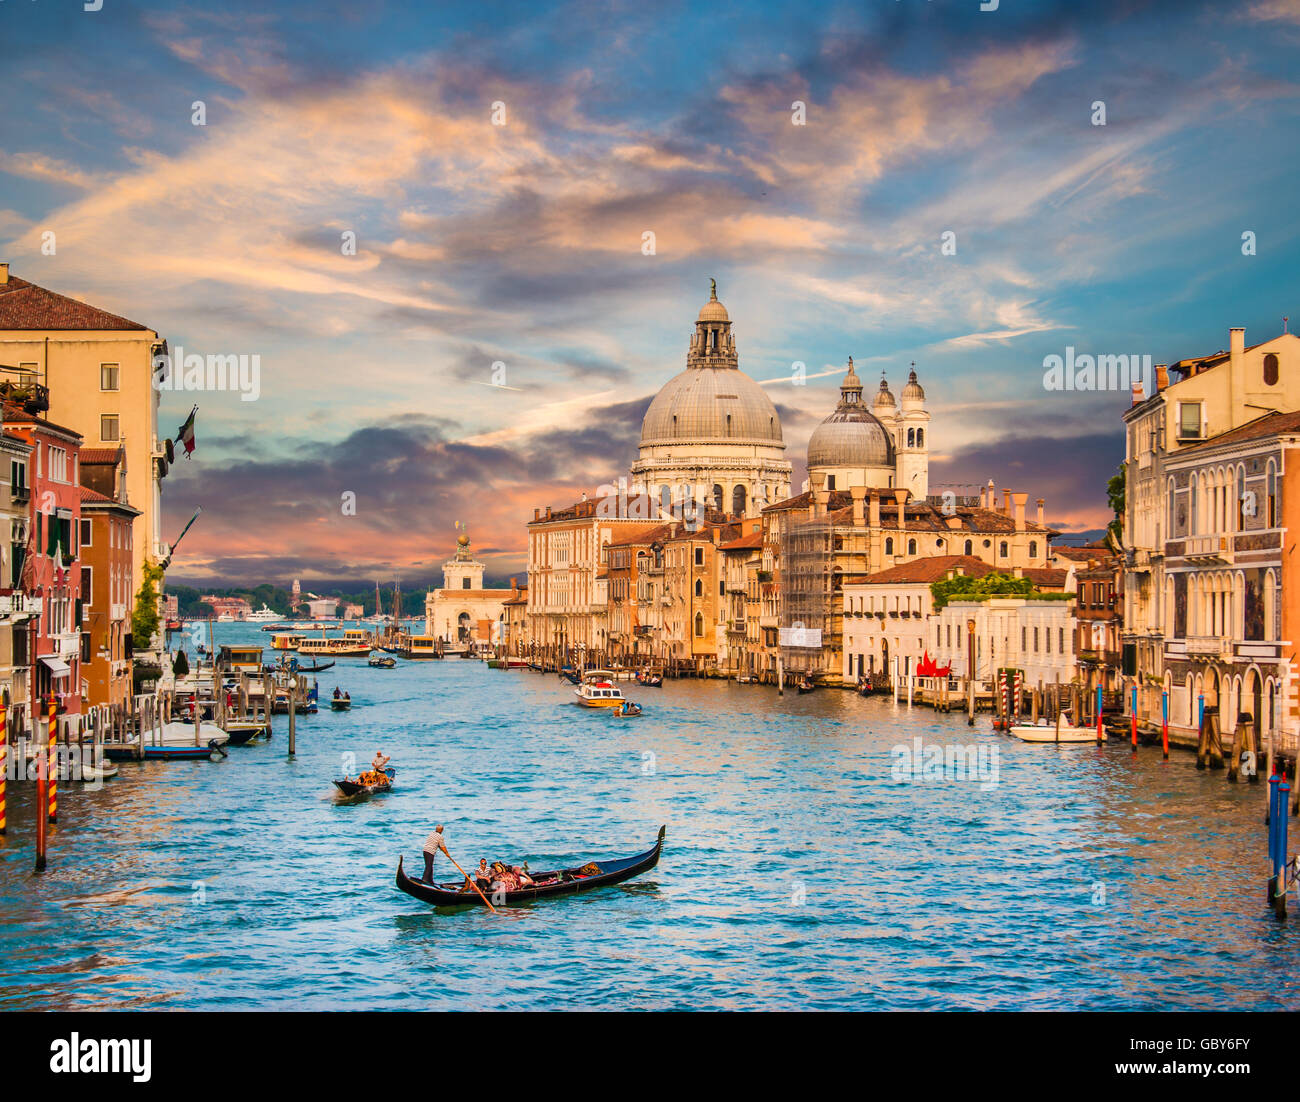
x=913, y=446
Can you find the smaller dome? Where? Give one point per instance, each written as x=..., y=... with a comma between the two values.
x=913, y=390
x=884, y=399
x=713, y=310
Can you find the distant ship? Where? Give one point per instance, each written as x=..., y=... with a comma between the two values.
x=263, y=615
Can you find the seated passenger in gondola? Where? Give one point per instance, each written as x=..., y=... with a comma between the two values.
x=480, y=876
x=525, y=881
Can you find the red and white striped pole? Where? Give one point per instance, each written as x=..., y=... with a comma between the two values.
x=4, y=762
x=54, y=764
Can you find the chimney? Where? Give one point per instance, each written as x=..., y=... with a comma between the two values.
x=1040, y=513
x=1139, y=394
x=859, y=494
x=1236, y=342
x=901, y=497
x=873, y=513
x=992, y=501
x=1006, y=503
x=4, y=273
x=548, y=512
x=1020, y=499
x=1162, y=377
x=537, y=514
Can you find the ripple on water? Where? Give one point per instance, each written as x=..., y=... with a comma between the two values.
x=797, y=872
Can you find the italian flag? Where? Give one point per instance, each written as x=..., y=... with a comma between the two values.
x=185, y=434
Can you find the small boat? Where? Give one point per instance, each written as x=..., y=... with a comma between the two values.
x=805, y=685
x=627, y=710
x=569, y=674
x=581, y=878
x=242, y=731
x=315, y=667
x=651, y=680
x=368, y=783
x=1051, y=732
x=379, y=662
x=213, y=751
x=101, y=771
x=597, y=691
x=340, y=703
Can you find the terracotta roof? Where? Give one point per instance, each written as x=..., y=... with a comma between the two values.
x=1044, y=577
x=107, y=456
x=745, y=543
x=1271, y=424
x=94, y=497
x=495, y=594
x=1081, y=554
x=922, y=516
x=644, y=536
x=21, y=419
x=24, y=305
x=933, y=569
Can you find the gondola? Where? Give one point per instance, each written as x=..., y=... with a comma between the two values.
x=315, y=667
x=628, y=710
x=571, y=675
x=805, y=686
x=580, y=878
x=383, y=663
x=357, y=788
x=652, y=681
x=242, y=733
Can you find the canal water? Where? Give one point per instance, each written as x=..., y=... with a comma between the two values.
x=804, y=867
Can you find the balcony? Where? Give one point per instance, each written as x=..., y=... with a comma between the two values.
x=1208, y=550
x=1209, y=647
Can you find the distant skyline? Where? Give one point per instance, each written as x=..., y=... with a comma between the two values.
x=522, y=244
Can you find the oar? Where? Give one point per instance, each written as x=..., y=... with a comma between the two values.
x=474, y=882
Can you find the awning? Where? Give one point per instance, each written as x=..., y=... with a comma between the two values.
x=56, y=665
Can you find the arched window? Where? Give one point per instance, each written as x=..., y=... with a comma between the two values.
x=969, y=548
x=920, y=438
x=1270, y=494
x=1033, y=549
x=1192, y=490
x=911, y=437
x=1173, y=499
x=739, y=500
x=889, y=545
x=1239, y=492
x=911, y=547
x=699, y=587
x=728, y=424
x=1270, y=370
x=716, y=495
x=1002, y=549
x=699, y=624
x=665, y=499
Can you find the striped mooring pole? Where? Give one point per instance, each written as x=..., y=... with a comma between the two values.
x=1101, y=736
x=1133, y=716
x=54, y=764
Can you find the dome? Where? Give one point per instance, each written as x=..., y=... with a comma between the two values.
x=713, y=310
x=850, y=437
x=717, y=405
x=913, y=391
x=884, y=399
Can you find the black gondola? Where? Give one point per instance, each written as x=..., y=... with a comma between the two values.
x=341, y=703
x=356, y=788
x=560, y=882
x=382, y=663
x=315, y=667
x=571, y=675
x=806, y=686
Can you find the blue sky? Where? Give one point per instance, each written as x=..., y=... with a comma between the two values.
x=522, y=244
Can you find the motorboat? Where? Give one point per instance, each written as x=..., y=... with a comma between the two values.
x=263, y=615
x=599, y=691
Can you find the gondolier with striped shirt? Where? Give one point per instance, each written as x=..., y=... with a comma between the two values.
x=432, y=845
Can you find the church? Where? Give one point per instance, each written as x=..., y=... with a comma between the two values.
x=462, y=613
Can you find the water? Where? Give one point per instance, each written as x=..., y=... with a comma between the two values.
x=243, y=884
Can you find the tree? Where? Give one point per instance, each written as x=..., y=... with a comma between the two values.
x=144, y=618
x=967, y=585
x=1115, y=491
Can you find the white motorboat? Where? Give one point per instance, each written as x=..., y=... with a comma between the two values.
x=263, y=615
x=1051, y=732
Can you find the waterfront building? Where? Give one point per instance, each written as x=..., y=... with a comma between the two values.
x=977, y=637
x=237, y=608
x=98, y=371
x=515, y=610
x=1201, y=547
x=318, y=608
x=711, y=435
x=107, y=546
x=1098, y=614
x=171, y=607
x=17, y=606
x=824, y=536
x=353, y=611
x=741, y=609
x=634, y=564
x=567, y=586
x=463, y=613
x=49, y=568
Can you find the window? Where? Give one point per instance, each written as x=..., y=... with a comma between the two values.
x=1189, y=420
x=464, y=583
x=699, y=587
x=1270, y=491
x=108, y=430
x=739, y=500
x=17, y=477
x=86, y=591
x=699, y=624
x=889, y=545
x=1062, y=639
x=970, y=548
x=699, y=556
x=920, y=438
x=108, y=374
x=830, y=482
x=1002, y=549
x=1270, y=370
x=85, y=533
x=911, y=547
x=58, y=464
x=1033, y=549
x=911, y=438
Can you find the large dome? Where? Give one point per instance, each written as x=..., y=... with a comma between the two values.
x=711, y=404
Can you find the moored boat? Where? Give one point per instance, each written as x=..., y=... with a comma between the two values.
x=382, y=662
x=580, y=878
x=1052, y=732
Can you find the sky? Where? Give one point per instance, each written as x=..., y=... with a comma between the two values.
x=947, y=195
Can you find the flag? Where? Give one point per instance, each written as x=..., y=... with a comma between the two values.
x=185, y=434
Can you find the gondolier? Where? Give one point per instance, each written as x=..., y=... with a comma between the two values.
x=432, y=845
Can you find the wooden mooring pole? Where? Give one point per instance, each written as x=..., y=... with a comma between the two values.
x=53, y=751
